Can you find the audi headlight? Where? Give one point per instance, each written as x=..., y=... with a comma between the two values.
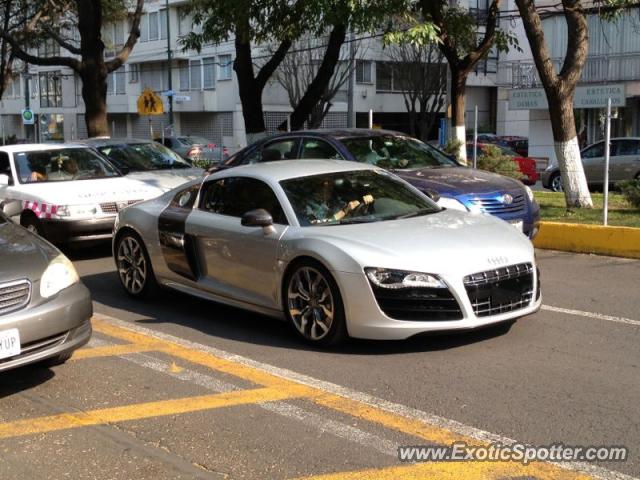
x=395, y=279
x=59, y=275
x=529, y=193
x=452, y=204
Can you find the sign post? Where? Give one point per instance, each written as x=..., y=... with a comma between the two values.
x=475, y=137
x=607, y=153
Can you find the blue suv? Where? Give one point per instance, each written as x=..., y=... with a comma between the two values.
x=425, y=167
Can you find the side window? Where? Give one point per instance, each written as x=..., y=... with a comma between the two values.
x=315, y=148
x=594, y=151
x=186, y=198
x=280, y=150
x=168, y=143
x=626, y=147
x=5, y=166
x=237, y=195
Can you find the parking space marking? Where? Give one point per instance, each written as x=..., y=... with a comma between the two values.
x=599, y=316
x=419, y=424
x=140, y=411
x=451, y=471
x=110, y=351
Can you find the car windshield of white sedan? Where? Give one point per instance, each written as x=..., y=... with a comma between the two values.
x=61, y=165
x=353, y=197
x=142, y=157
x=396, y=152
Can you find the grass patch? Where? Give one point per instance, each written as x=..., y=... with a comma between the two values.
x=621, y=213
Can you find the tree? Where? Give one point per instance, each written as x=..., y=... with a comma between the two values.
x=86, y=56
x=300, y=67
x=249, y=22
x=463, y=47
x=6, y=56
x=420, y=73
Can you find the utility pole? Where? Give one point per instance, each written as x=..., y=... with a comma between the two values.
x=169, y=70
x=350, y=88
x=27, y=97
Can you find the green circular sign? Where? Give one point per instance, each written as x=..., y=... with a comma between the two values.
x=27, y=115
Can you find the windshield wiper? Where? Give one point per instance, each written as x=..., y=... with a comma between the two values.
x=347, y=221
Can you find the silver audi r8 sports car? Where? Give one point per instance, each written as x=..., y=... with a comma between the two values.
x=333, y=247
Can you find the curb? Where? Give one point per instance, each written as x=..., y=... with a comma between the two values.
x=582, y=238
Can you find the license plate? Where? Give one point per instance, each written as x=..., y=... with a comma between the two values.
x=9, y=343
x=519, y=224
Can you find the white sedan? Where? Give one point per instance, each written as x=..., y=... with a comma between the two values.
x=335, y=248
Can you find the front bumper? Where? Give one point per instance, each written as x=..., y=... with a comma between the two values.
x=366, y=320
x=65, y=231
x=53, y=327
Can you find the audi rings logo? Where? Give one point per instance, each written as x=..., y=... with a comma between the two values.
x=507, y=199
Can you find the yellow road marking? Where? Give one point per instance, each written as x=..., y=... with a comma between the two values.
x=141, y=411
x=413, y=427
x=454, y=471
x=110, y=351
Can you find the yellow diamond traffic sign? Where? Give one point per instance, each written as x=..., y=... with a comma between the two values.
x=150, y=103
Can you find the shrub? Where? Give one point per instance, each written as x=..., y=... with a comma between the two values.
x=631, y=191
x=491, y=159
x=453, y=146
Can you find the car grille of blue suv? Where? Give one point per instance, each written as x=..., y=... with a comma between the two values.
x=497, y=205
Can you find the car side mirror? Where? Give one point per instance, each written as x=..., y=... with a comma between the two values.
x=257, y=218
x=4, y=180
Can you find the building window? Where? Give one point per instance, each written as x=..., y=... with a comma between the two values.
x=209, y=72
x=153, y=26
x=113, y=38
x=134, y=72
x=363, y=71
x=384, y=77
x=48, y=48
x=50, y=89
x=191, y=75
x=154, y=76
x=116, y=82
x=12, y=90
x=226, y=67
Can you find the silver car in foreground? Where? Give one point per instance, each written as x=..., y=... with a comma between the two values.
x=45, y=310
x=335, y=248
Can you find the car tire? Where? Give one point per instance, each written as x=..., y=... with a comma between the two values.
x=133, y=265
x=310, y=288
x=32, y=223
x=555, y=182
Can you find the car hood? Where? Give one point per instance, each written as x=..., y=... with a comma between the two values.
x=82, y=192
x=447, y=241
x=24, y=255
x=457, y=180
x=165, y=180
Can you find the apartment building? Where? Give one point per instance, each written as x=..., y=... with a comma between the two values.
x=206, y=101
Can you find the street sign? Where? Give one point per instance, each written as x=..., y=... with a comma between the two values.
x=168, y=93
x=28, y=118
x=182, y=98
x=150, y=103
x=442, y=132
x=585, y=96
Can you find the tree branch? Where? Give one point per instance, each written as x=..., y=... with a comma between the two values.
x=578, y=41
x=487, y=41
x=61, y=41
x=35, y=60
x=268, y=68
x=126, y=49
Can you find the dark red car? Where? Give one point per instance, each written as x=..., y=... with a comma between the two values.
x=527, y=165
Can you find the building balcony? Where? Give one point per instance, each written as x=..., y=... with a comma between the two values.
x=598, y=69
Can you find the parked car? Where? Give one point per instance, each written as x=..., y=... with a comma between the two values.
x=427, y=168
x=518, y=144
x=624, y=164
x=196, y=148
x=336, y=248
x=146, y=161
x=65, y=193
x=45, y=310
x=526, y=165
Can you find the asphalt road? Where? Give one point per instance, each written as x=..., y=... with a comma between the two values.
x=568, y=374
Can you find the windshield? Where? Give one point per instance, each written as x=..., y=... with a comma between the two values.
x=194, y=141
x=395, y=152
x=353, y=197
x=142, y=157
x=61, y=165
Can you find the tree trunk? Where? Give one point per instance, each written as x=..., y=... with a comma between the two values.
x=321, y=81
x=250, y=91
x=560, y=88
x=458, y=91
x=93, y=71
x=565, y=139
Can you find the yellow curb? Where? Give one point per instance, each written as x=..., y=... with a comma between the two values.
x=581, y=238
